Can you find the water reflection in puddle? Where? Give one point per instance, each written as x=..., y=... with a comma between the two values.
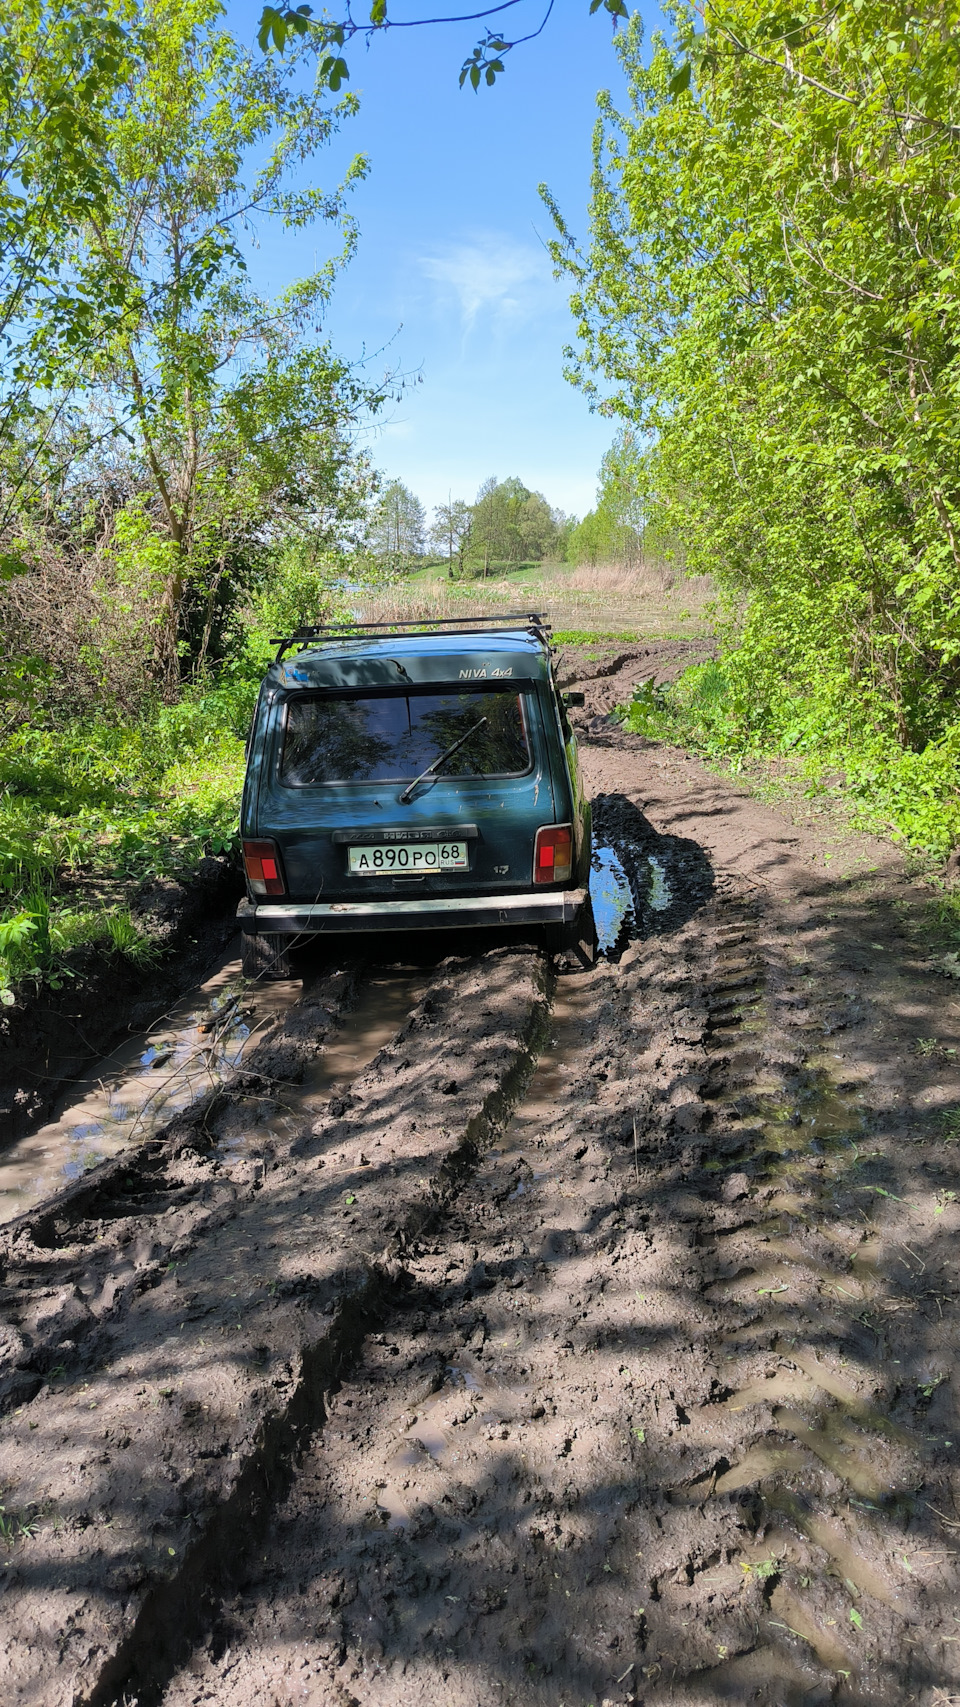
x=659, y=897
x=612, y=901
x=617, y=900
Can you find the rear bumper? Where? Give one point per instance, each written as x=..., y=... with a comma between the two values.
x=429, y=913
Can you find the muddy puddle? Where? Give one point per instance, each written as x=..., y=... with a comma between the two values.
x=468, y=1400
x=143, y=1083
x=526, y=1135
x=817, y=1122
x=384, y=1003
x=466, y=1403
x=124, y=1098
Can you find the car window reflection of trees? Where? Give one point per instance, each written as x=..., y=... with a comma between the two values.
x=332, y=740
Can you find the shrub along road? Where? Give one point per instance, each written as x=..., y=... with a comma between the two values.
x=641, y=1392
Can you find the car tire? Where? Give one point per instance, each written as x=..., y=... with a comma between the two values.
x=265, y=955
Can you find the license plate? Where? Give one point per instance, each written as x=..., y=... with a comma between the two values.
x=407, y=857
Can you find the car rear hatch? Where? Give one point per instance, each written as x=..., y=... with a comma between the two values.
x=338, y=789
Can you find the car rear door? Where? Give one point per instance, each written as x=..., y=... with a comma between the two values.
x=313, y=802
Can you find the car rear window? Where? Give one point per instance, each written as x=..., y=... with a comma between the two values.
x=393, y=736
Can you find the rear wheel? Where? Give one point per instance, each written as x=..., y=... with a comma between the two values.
x=265, y=955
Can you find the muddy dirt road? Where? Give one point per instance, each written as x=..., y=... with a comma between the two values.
x=498, y=1332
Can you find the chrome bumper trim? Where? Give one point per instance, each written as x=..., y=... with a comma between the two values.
x=436, y=912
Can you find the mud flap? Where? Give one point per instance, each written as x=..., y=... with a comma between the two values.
x=578, y=940
x=265, y=955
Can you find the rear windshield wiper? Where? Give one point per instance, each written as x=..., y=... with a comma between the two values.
x=408, y=791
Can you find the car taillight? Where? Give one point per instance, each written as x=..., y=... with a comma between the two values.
x=553, y=854
x=264, y=868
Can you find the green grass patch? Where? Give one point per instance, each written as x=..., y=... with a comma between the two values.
x=887, y=788
x=90, y=809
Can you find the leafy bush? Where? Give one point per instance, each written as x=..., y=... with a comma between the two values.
x=100, y=804
x=768, y=299
x=720, y=709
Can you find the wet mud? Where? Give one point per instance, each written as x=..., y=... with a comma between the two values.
x=49, y=1040
x=500, y=1332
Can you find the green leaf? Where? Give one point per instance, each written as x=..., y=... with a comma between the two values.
x=332, y=71
x=272, y=27
x=680, y=81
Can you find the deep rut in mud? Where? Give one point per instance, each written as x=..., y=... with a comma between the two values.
x=586, y=1336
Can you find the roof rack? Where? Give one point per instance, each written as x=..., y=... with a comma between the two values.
x=331, y=631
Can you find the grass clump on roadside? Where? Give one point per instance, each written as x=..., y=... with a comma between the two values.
x=90, y=809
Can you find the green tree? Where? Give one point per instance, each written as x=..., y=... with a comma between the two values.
x=450, y=531
x=222, y=392
x=62, y=69
x=613, y=532
x=769, y=294
x=398, y=525
x=511, y=524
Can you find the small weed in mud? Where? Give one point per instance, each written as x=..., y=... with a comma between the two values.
x=950, y=1122
x=928, y=1388
x=14, y=1527
x=930, y=1047
x=129, y=940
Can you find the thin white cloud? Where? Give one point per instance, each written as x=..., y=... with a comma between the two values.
x=489, y=275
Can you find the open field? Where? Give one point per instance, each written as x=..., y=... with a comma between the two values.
x=649, y=600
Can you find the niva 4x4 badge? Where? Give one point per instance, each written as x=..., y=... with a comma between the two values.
x=411, y=777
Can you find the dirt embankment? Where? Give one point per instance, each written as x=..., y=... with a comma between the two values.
x=46, y=1040
x=630, y=1381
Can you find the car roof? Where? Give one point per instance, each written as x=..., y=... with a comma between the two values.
x=390, y=660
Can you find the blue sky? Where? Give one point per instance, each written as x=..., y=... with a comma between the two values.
x=451, y=279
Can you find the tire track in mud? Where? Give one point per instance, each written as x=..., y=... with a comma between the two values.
x=620, y=1438
x=199, y=1319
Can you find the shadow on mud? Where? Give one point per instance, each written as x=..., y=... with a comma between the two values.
x=642, y=884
